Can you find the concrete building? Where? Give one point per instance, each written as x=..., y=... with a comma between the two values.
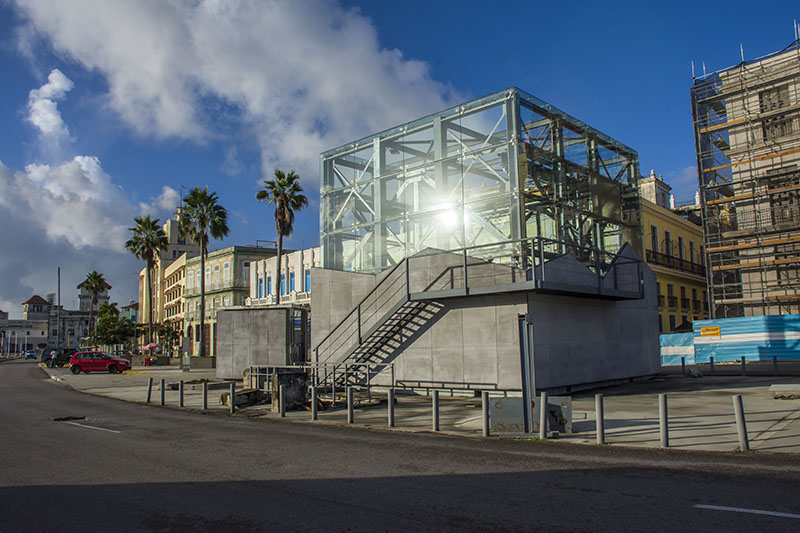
x=227, y=283
x=130, y=311
x=673, y=250
x=747, y=131
x=174, y=308
x=265, y=281
x=165, y=285
x=20, y=335
x=494, y=245
x=85, y=299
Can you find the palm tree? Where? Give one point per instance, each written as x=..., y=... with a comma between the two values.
x=287, y=195
x=108, y=309
x=168, y=335
x=200, y=216
x=94, y=284
x=147, y=242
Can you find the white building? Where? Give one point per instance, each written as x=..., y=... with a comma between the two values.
x=294, y=281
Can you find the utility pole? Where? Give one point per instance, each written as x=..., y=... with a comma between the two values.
x=58, y=312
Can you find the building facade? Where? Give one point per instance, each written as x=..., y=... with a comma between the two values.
x=227, y=283
x=174, y=307
x=747, y=131
x=266, y=282
x=674, y=251
x=163, y=284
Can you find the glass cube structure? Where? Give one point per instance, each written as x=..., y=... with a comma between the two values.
x=485, y=176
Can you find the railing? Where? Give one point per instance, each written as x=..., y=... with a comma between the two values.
x=672, y=301
x=270, y=299
x=669, y=261
x=218, y=285
x=685, y=303
x=661, y=300
x=696, y=305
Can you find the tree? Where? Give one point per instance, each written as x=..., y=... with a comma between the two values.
x=286, y=193
x=168, y=335
x=94, y=284
x=147, y=241
x=200, y=217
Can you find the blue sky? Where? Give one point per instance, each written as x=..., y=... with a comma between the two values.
x=108, y=108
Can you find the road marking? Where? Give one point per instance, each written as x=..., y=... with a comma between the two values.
x=92, y=427
x=750, y=511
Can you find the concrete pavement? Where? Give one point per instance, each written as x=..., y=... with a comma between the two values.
x=700, y=409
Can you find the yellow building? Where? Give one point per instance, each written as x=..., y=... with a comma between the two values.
x=674, y=251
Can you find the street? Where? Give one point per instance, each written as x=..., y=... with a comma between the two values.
x=109, y=465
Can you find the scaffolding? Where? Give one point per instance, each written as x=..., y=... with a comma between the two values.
x=747, y=135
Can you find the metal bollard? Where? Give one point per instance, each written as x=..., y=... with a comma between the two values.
x=349, y=391
x=711, y=362
x=599, y=416
x=775, y=365
x=313, y=403
x=485, y=408
x=180, y=393
x=390, y=406
x=282, y=400
x=163, y=393
x=435, y=404
x=205, y=395
x=149, y=388
x=744, y=365
x=663, y=420
x=741, y=426
x=232, y=398
x=683, y=366
x=543, y=416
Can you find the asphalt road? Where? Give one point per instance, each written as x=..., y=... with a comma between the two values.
x=130, y=467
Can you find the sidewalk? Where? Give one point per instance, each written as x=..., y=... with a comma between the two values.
x=700, y=409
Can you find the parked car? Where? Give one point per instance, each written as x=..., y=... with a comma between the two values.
x=30, y=354
x=97, y=362
x=54, y=357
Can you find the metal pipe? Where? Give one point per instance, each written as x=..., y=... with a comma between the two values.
x=314, y=414
x=663, y=420
x=435, y=413
x=205, y=395
x=349, y=404
x=232, y=398
x=149, y=388
x=683, y=366
x=711, y=362
x=599, y=416
x=485, y=413
x=775, y=365
x=543, y=416
x=390, y=407
x=163, y=392
x=282, y=400
x=744, y=365
x=180, y=393
x=741, y=425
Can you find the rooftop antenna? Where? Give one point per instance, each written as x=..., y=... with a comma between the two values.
x=693, y=76
x=704, y=68
x=796, y=31
x=741, y=49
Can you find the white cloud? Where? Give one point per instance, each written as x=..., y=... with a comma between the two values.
x=167, y=201
x=69, y=215
x=43, y=113
x=302, y=76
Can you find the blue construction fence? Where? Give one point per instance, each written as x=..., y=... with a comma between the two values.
x=758, y=338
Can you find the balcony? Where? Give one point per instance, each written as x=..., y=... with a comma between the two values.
x=676, y=263
x=218, y=286
x=684, y=303
x=661, y=300
x=291, y=298
x=696, y=305
x=672, y=301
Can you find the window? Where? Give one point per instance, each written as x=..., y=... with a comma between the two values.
x=226, y=271
x=684, y=318
x=667, y=243
x=197, y=332
x=216, y=274
x=215, y=303
x=654, y=238
x=691, y=252
x=246, y=273
x=670, y=290
x=208, y=275
x=660, y=326
x=197, y=275
x=269, y=285
x=780, y=126
x=672, y=322
x=226, y=301
x=260, y=287
x=190, y=282
x=307, y=280
x=291, y=281
x=774, y=98
x=283, y=283
x=680, y=247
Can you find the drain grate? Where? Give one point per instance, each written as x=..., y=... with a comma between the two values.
x=68, y=418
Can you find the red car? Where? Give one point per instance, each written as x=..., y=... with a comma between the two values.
x=97, y=362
